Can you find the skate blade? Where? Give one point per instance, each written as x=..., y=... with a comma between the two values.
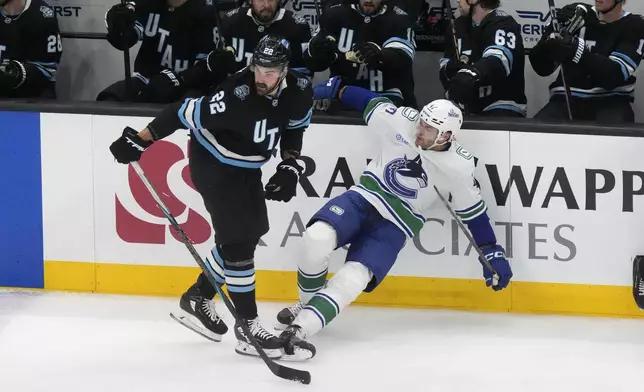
x=188, y=323
x=248, y=350
x=299, y=355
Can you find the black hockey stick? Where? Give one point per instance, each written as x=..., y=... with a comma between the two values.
x=296, y=375
x=220, y=38
x=482, y=258
x=449, y=15
x=128, y=70
x=557, y=30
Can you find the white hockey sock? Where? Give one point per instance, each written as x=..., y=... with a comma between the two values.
x=342, y=289
x=320, y=240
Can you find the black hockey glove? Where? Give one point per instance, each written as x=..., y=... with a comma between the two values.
x=165, y=87
x=221, y=62
x=566, y=49
x=463, y=88
x=283, y=185
x=370, y=54
x=129, y=147
x=120, y=20
x=564, y=16
x=12, y=74
x=323, y=48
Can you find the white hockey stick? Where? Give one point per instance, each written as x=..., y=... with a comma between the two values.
x=482, y=258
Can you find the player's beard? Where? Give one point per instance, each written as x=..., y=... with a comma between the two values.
x=369, y=7
x=264, y=89
x=265, y=14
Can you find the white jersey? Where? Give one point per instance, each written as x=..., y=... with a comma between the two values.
x=400, y=181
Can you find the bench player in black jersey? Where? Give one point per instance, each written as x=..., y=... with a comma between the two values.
x=233, y=133
x=243, y=27
x=599, y=61
x=176, y=36
x=486, y=76
x=382, y=38
x=30, y=49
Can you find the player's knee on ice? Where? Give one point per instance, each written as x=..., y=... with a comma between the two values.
x=341, y=290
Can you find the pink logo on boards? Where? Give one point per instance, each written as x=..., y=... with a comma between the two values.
x=156, y=162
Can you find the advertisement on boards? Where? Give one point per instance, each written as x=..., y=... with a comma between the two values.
x=565, y=207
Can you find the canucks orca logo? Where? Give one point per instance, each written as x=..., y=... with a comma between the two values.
x=400, y=173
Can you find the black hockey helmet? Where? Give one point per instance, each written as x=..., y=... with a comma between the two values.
x=272, y=51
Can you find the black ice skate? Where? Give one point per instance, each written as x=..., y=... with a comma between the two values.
x=199, y=315
x=271, y=344
x=287, y=315
x=294, y=346
x=638, y=281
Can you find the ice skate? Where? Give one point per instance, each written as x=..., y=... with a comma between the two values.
x=270, y=343
x=286, y=316
x=294, y=346
x=199, y=315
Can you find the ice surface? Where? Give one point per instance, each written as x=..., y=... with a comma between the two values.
x=94, y=343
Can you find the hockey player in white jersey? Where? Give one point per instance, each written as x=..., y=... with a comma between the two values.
x=388, y=206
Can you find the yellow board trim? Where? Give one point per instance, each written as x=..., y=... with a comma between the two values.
x=395, y=291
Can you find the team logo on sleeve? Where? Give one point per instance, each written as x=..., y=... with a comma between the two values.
x=242, y=91
x=405, y=176
x=399, y=11
x=47, y=12
x=302, y=83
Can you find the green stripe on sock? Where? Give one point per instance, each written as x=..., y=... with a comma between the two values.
x=326, y=308
x=310, y=284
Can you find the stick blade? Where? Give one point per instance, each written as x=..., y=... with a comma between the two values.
x=287, y=373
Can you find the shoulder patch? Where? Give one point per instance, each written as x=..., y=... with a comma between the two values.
x=500, y=13
x=232, y=12
x=399, y=11
x=209, y=3
x=242, y=91
x=302, y=83
x=46, y=11
x=299, y=19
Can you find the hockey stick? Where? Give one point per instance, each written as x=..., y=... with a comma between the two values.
x=557, y=30
x=296, y=375
x=220, y=40
x=128, y=69
x=482, y=258
x=447, y=9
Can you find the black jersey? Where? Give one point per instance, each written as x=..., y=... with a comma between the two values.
x=608, y=69
x=239, y=127
x=173, y=38
x=242, y=31
x=32, y=38
x=390, y=28
x=495, y=49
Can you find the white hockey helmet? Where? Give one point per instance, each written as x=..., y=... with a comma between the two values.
x=444, y=116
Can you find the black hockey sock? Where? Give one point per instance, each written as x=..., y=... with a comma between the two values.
x=240, y=280
x=239, y=269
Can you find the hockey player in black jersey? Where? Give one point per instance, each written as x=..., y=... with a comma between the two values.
x=599, y=60
x=176, y=36
x=485, y=74
x=233, y=133
x=243, y=27
x=382, y=39
x=30, y=49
